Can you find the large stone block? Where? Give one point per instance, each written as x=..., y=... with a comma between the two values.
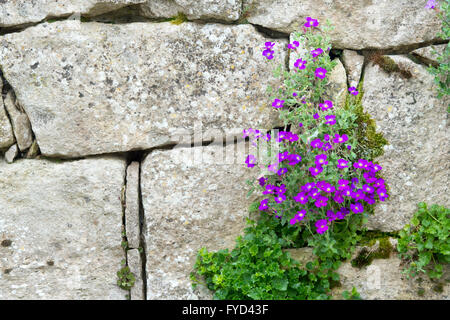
x=19, y=12
x=190, y=203
x=193, y=9
x=95, y=88
x=414, y=121
x=358, y=24
x=60, y=229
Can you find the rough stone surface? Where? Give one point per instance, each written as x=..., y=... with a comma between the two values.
x=135, y=265
x=383, y=280
x=19, y=12
x=93, y=88
x=359, y=24
x=33, y=151
x=336, y=90
x=20, y=123
x=62, y=226
x=6, y=133
x=190, y=204
x=353, y=63
x=414, y=121
x=427, y=53
x=132, y=206
x=12, y=153
x=227, y=10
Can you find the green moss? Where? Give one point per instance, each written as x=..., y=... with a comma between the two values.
x=389, y=65
x=178, y=19
x=421, y=292
x=370, y=142
x=439, y=288
x=366, y=256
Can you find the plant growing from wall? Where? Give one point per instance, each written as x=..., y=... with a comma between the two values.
x=316, y=190
x=442, y=72
x=425, y=244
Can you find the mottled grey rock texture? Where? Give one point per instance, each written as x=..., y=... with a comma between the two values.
x=383, y=279
x=20, y=123
x=189, y=204
x=226, y=10
x=19, y=12
x=93, y=88
x=414, y=121
x=135, y=265
x=62, y=225
x=132, y=205
x=358, y=23
x=353, y=63
x=430, y=54
x=11, y=153
x=6, y=133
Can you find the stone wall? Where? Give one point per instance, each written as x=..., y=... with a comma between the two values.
x=119, y=125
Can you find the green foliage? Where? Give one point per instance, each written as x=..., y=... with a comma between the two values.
x=366, y=256
x=178, y=19
x=354, y=295
x=126, y=278
x=258, y=268
x=425, y=244
x=442, y=71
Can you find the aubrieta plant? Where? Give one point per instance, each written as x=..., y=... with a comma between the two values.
x=315, y=192
x=425, y=244
x=442, y=71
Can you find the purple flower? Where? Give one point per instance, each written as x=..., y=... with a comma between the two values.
x=315, y=170
x=294, y=45
x=294, y=159
x=329, y=188
x=301, y=197
x=357, y=207
x=310, y=22
x=263, y=205
x=321, y=201
x=268, y=53
x=358, y=195
x=431, y=4
x=376, y=168
x=321, y=225
x=331, y=215
x=292, y=137
x=327, y=146
x=298, y=217
x=317, y=52
x=367, y=189
x=270, y=188
x=321, y=73
x=342, y=164
x=262, y=181
x=349, y=147
x=327, y=104
x=316, y=116
x=282, y=171
x=353, y=91
x=300, y=124
x=330, y=119
x=250, y=161
x=280, y=198
x=321, y=160
x=343, y=182
x=340, y=139
x=283, y=156
x=326, y=137
x=338, y=198
x=346, y=192
x=269, y=44
x=308, y=187
x=382, y=194
x=272, y=167
x=280, y=189
x=316, y=143
x=314, y=193
x=277, y=103
x=301, y=64
x=294, y=94
x=379, y=183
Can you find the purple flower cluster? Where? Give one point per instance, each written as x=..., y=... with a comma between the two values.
x=353, y=91
x=431, y=4
x=268, y=52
